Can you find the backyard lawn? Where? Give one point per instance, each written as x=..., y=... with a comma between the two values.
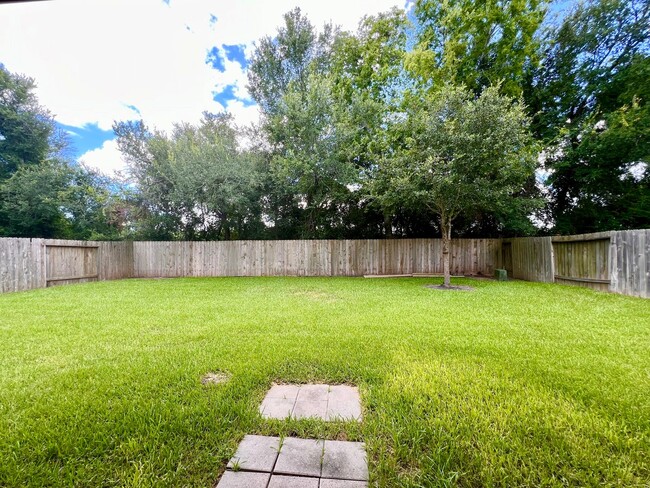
x=512, y=384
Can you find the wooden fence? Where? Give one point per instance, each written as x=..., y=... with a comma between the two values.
x=531, y=258
x=583, y=260
x=614, y=261
x=629, y=258
x=26, y=264
x=312, y=258
x=617, y=261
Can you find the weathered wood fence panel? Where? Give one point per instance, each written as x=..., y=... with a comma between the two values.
x=22, y=264
x=312, y=257
x=630, y=262
x=615, y=261
x=70, y=262
x=26, y=264
x=532, y=259
x=115, y=260
x=582, y=260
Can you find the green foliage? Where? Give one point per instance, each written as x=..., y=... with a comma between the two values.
x=311, y=104
x=459, y=154
x=369, y=63
x=25, y=126
x=42, y=194
x=194, y=184
x=514, y=384
x=476, y=44
x=306, y=162
x=590, y=100
x=30, y=201
x=582, y=55
x=57, y=200
x=288, y=59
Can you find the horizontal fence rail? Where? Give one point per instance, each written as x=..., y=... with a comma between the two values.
x=609, y=261
x=26, y=264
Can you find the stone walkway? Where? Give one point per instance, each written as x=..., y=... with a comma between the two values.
x=265, y=462
x=268, y=462
x=325, y=402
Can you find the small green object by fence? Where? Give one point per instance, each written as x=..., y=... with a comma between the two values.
x=501, y=274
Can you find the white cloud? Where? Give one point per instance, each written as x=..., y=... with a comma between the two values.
x=635, y=170
x=107, y=159
x=94, y=59
x=243, y=114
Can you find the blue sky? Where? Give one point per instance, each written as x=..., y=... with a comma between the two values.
x=164, y=61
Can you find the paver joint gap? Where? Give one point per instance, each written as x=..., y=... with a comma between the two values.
x=327, y=409
x=295, y=400
x=280, y=442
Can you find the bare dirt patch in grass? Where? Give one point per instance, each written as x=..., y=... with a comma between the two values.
x=450, y=288
x=316, y=296
x=215, y=378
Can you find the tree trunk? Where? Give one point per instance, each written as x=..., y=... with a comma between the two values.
x=388, y=226
x=445, y=226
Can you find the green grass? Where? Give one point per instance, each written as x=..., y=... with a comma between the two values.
x=513, y=384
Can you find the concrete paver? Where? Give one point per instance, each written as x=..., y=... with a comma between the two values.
x=265, y=462
x=300, y=457
x=277, y=408
x=279, y=481
x=289, y=392
x=244, y=479
x=256, y=453
x=329, y=403
x=313, y=393
x=328, y=483
x=310, y=409
x=345, y=460
x=343, y=403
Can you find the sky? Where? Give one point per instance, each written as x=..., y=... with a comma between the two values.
x=162, y=61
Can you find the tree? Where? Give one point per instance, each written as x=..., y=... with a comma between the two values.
x=288, y=79
x=589, y=99
x=26, y=128
x=196, y=183
x=30, y=201
x=307, y=162
x=458, y=154
x=42, y=192
x=58, y=200
x=367, y=76
x=287, y=59
x=324, y=98
x=476, y=44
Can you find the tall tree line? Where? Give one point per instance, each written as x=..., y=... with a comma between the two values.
x=497, y=116
x=43, y=192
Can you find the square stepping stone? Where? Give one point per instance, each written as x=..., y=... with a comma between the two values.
x=288, y=392
x=265, y=462
x=256, y=453
x=343, y=403
x=325, y=402
x=327, y=483
x=313, y=393
x=279, y=401
x=345, y=461
x=278, y=481
x=277, y=408
x=244, y=479
x=300, y=457
x=310, y=409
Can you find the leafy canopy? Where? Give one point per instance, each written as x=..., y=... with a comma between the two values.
x=458, y=154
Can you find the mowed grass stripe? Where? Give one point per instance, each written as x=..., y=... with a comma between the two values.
x=513, y=384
